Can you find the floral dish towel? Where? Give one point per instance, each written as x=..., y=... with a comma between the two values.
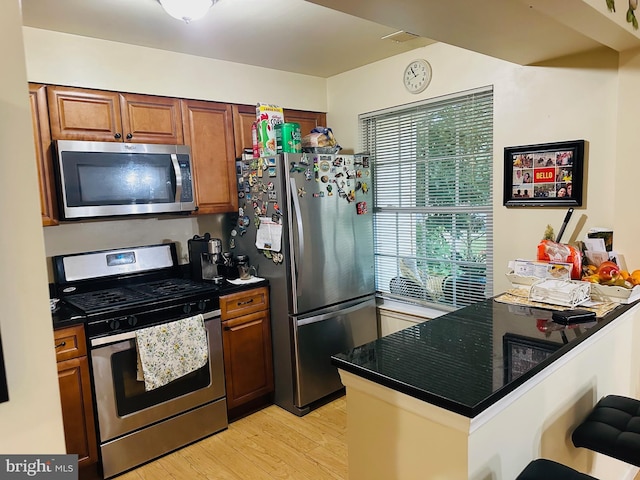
x=169, y=351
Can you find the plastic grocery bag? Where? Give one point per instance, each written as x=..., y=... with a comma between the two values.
x=551, y=251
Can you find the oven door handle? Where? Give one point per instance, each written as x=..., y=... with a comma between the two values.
x=120, y=337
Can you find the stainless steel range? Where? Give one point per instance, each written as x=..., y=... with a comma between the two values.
x=120, y=292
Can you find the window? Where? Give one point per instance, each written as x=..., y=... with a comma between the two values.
x=433, y=220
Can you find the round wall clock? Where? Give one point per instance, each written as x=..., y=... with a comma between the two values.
x=417, y=76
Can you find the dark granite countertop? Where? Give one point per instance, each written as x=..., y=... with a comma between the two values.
x=67, y=316
x=467, y=360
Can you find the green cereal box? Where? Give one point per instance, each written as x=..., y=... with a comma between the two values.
x=268, y=116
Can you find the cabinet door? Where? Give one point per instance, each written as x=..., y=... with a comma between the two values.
x=208, y=129
x=247, y=358
x=82, y=114
x=77, y=410
x=44, y=153
x=243, y=118
x=307, y=120
x=149, y=119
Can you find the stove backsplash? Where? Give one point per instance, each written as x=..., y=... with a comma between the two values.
x=86, y=236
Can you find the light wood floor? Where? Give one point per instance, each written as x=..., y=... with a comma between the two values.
x=266, y=445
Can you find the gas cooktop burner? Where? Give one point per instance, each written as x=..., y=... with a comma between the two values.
x=115, y=298
x=174, y=286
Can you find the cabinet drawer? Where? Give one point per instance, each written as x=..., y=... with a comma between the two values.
x=70, y=342
x=242, y=303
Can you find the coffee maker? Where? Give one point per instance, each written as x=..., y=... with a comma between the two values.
x=205, y=255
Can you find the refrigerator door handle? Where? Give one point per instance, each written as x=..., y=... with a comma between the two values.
x=345, y=311
x=298, y=213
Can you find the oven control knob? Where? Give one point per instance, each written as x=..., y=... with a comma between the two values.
x=186, y=308
x=202, y=305
x=114, y=324
x=132, y=320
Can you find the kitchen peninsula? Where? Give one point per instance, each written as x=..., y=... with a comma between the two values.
x=478, y=393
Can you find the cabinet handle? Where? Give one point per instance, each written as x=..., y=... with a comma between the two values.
x=129, y=136
x=242, y=325
x=246, y=302
x=62, y=344
x=117, y=135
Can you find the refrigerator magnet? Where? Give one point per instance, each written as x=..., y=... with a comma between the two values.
x=272, y=171
x=295, y=168
x=361, y=208
x=307, y=174
x=301, y=192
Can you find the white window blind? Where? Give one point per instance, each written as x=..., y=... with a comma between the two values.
x=433, y=219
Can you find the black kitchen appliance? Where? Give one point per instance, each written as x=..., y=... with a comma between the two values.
x=205, y=257
x=120, y=292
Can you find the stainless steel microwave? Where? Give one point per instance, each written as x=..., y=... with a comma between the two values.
x=98, y=179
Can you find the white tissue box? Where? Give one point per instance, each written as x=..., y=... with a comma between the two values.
x=560, y=292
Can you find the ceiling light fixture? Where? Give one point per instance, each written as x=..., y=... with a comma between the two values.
x=187, y=10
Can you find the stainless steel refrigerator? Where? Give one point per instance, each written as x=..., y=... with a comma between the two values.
x=305, y=222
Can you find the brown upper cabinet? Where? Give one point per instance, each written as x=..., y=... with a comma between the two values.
x=245, y=115
x=44, y=154
x=307, y=120
x=243, y=118
x=208, y=128
x=98, y=115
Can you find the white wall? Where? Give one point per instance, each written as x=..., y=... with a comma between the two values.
x=574, y=98
x=63, y=59
x=627, y=160
x=31, y=421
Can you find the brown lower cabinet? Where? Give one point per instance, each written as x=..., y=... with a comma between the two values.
x=75, y=397
x=248, y=361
